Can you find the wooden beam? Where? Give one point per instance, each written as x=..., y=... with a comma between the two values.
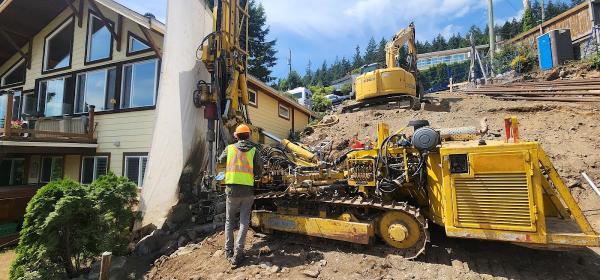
x=77, y=13
x=12, y=43
x=151, y=41
x=8, y=116
x=80, y=23
x=120, y=31
x=104, y=20
x=29, y=52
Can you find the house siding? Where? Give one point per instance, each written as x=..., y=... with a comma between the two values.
x=266, y=115
x=124, y=133
x=72, y=163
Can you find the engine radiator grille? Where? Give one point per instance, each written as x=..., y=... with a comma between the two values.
x=499, y=200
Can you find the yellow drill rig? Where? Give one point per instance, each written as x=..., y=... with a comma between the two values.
x=490, y=190
x=391, y=83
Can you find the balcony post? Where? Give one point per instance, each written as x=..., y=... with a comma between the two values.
x=91, y=121
x=9, y=112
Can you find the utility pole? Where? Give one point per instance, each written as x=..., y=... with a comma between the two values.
x=492, y=33
x=290, y=62
x=543, y=17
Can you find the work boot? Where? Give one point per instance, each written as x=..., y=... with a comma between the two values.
x=228, y=254
x=236, y=260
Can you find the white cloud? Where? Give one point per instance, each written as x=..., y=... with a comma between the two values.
x=322, y=20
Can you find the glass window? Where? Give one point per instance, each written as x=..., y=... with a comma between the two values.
x=252, y=97
x=92, y=168
x=139, y=84
x=136, y=45
x=99, y=39
x=57, y=48
x=284, y=111
x=12, y=171
x=52, y=169
x=16, y=112
x=16, y=75
x=96, y=88
x=28, y=105
x=52, y=97
x=135, y=168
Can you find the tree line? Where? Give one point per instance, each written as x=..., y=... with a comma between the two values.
x=263, y=54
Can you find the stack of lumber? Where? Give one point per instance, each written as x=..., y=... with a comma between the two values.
x=585, y=90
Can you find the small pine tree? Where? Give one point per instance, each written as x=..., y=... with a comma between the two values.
x=261, y=51
x=381, y=51
x=528, y=20
x=371, y=52
x=357, y=60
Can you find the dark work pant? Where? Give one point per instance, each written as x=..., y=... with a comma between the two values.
x=243, y=206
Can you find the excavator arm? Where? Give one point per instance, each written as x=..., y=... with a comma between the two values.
x=392, y=48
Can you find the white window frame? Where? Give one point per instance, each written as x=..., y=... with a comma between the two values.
x=140, y=173
x=255, y=103
x=14, y=67
x=131, y=94
x=89, y=40
x=58, y=30
x=95, y=167
x=130, y=45
x=287, y=108
x=77, y=93
x=11, y=179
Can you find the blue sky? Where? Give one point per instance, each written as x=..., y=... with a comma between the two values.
x=321, y=29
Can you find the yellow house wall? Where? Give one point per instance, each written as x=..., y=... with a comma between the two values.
x=72, y=163
x=79, y=45
x=124, y=133
x=266, y=116
x=300, y=120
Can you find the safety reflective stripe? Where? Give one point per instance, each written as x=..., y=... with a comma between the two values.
x=240, y=166
x=239, y=162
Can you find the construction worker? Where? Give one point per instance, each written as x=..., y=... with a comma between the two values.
x=243, y=165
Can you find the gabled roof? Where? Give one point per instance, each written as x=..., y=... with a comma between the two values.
x=23, y=19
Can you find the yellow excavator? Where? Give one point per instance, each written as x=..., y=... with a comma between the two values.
x=392, y=83
x=473, y=188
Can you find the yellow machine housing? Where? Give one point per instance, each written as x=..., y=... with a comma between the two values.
x=385, y=82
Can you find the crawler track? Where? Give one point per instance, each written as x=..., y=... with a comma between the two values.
x=355, y=202
x=380, y=101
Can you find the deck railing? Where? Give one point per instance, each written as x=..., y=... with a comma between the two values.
x=66, y=128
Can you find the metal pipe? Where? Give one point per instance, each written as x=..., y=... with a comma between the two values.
x=591, y=183
x=299, y=151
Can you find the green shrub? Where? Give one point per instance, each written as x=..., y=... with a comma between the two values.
x=525, y=61
x=67, y=225
x=320, y=103
x=595, y=61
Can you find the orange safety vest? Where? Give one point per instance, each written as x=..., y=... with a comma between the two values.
x=240, y=166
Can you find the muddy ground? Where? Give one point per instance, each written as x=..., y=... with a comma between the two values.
x=568, y=133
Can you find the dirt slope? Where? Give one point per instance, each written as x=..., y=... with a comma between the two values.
x=568, y=133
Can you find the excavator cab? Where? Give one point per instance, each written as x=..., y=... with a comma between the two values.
x=369, y=68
